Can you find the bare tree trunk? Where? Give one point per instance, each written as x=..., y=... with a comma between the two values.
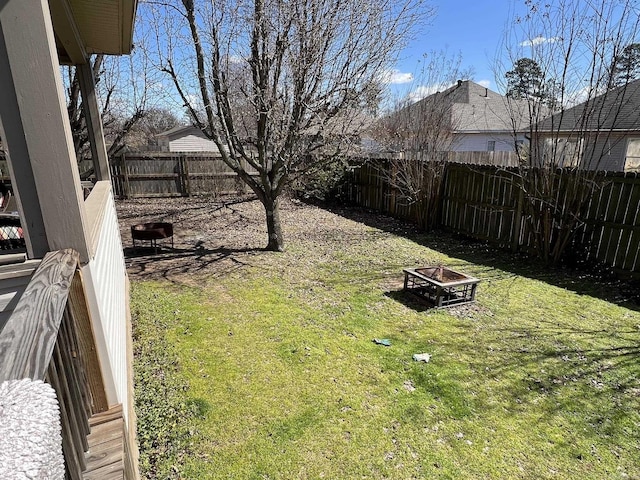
x=274, y=228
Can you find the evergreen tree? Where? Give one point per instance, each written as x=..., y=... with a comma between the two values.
x=626, y=66
x=526, y=80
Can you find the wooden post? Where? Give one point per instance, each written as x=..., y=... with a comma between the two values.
x=36, y=130
x=125, y=176
x=94, y=122
x=186, y=182
x=517, y=221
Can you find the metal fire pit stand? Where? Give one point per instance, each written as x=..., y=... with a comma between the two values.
x=439, y=292
x=152, y=232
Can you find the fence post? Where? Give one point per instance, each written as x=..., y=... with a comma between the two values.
x=517, y=220
x=392, y=188
x=187, y=178
x=125, y=174
x=183, y=174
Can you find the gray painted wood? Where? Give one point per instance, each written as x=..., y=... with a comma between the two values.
x=37, y=133
x=28, y=338
x=94, y=122
x=67, y=30
x=13, y=281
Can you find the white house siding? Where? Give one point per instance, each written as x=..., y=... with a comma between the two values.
x=192, y=143
x=608, y=154
x=105, y=280
x=478, y=142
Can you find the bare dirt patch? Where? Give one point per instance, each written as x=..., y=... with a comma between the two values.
x=215, y=236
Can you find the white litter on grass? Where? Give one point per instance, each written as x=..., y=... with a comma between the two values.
x=409, y=387
x=422, y=357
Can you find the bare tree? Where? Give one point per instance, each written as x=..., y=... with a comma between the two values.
x=574, y=44
x=419, y=135
x=118, y=115
x=155, y=120
x=127, y=88
x=273, y=82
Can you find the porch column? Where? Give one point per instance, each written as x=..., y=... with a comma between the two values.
x=36, y=131
x=94, y=121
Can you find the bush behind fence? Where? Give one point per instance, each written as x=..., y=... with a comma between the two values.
x=484, y=202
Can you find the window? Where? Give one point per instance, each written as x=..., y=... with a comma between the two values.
x=491, y=146
x=632, y=157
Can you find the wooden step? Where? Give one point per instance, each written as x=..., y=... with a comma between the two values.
x=105, y=457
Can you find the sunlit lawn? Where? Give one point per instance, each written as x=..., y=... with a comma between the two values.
x=538, y=380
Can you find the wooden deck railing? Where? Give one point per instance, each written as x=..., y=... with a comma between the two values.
x=48, y=337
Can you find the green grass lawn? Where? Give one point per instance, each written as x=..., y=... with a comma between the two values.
x=270, y=372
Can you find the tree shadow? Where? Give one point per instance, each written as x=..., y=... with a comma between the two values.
x=492, y=260
x=568, y=369
x=174, y=264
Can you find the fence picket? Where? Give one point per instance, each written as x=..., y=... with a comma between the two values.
x=485, y=202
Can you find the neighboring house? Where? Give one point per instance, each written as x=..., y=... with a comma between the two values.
x=483, y=120
x=600, y=134
x=465, y=118
x=185, y=139
x=64, y=309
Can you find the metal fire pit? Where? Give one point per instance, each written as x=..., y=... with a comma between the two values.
x=152, y=232
x=441, y=286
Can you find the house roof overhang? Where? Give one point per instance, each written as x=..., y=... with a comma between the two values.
x=85, y=27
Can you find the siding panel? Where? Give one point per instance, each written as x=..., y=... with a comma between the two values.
x=107, y=275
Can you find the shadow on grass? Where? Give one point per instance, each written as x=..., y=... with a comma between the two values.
x=171, y=263
x=595, y=386
x=492, y=261
x=584, y=375
x=410, y=300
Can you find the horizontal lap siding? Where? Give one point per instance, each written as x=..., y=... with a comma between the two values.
x=106, y=278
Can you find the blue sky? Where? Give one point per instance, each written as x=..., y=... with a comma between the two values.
x=472, y=28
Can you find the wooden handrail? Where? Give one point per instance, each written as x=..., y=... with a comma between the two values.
x=47, y=337
x=28, y=338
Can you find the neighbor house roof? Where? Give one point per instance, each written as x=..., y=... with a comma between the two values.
x=477, y=109
x=85, y=27
x=474, y=109
x=180, y=129
x=616, y=110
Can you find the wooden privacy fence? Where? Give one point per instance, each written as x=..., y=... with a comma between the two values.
x=173, y=175
x=500, y=159
x=484, y=202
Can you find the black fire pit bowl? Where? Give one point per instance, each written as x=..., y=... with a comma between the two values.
x=152, y=232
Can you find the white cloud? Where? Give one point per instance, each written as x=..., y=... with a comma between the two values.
x=421, y=92
x=538, y=41
x=396, y=77
x=484, y=83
